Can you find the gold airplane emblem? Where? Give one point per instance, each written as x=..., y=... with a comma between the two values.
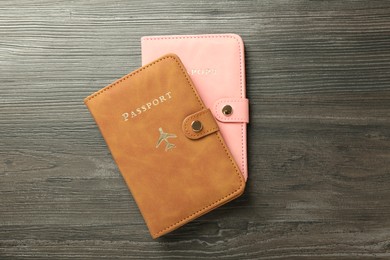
x=164, y=137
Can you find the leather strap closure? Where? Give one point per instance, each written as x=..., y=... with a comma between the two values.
x=235, y=110
x=199, y=124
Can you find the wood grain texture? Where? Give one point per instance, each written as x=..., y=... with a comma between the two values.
x=318, y=78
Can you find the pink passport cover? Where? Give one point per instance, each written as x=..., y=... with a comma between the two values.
x=216, y=64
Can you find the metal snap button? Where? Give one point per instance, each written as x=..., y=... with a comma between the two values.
x=227, y=110
x=196, y=126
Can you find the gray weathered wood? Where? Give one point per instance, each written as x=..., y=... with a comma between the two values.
x=318, y=77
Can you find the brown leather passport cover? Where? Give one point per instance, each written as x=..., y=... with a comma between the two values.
x=175, y=174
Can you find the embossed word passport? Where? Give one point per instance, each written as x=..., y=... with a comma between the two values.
x=216, y=64
x=167, y=145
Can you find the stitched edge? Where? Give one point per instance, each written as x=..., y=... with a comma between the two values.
x=197, y=136
x=241, y=77
x=216, y=108
x=232, y=194
x=97, y=93
x=202, y=106
x=201, y=134
x=240, y=177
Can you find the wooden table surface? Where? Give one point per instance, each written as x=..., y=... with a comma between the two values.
x=318, y=80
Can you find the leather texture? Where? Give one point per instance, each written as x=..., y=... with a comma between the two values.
x=240, y=108
x=209, y=125
x=173, y=179
x=216, y=64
